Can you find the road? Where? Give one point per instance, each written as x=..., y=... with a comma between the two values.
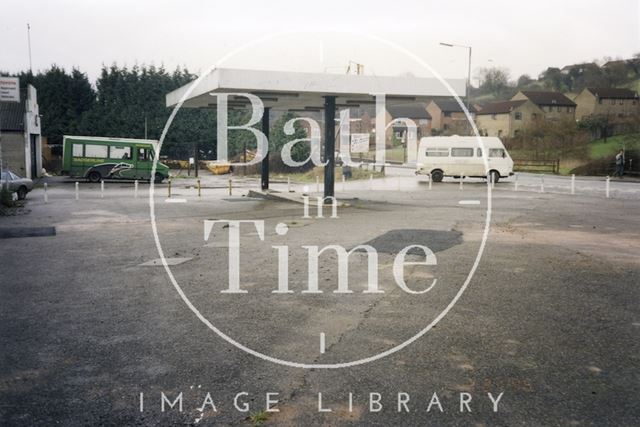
x=89, y=320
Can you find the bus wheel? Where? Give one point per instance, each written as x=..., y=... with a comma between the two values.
x=495, y=176
x=94, y=176
x=437, y=175
x=158, y=178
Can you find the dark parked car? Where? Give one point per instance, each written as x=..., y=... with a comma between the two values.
x=16, y=184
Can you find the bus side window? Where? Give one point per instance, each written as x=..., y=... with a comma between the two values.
x=143, y=154
x=119, y=152
x=96, y=151
x=77, y=150
x=497, y=152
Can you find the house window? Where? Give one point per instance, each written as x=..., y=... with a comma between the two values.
x=518, y=115
x=445, y=127
x=534, y=116
x=516, y=132
x=447, y=114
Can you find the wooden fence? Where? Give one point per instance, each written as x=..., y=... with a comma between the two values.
x=527, y=165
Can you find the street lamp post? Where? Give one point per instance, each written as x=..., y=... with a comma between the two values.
x=468, y=71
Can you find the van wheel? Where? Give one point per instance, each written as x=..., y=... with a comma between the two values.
x=94, y=176
x=158, y=178
x=22, y=193
x=495, y=176
x=437, y=176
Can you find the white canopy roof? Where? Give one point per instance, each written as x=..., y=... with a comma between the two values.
x=296, y=90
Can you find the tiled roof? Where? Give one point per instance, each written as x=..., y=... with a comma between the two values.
x=548, y=98
x=613, y=93
x=451, y=106
x=12, y=116
x=500, y=107
x=409, y=111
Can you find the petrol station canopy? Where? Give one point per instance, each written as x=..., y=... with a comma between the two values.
x=306, y=91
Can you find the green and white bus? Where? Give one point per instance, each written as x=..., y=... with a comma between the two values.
x=97, y=158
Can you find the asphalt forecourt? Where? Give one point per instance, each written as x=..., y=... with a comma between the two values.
x=96, y=332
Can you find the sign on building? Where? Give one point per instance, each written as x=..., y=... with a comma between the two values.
x=359, y=142
x=10, y=89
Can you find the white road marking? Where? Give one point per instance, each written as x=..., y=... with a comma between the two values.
x=322, y=343
x=175, y=200
x=469, y=202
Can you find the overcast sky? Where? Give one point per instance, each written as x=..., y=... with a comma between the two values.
x=525, y=37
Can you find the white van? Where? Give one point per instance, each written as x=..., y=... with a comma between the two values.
x=440, y=156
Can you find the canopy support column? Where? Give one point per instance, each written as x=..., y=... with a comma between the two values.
x=329, y=146
x=264, y=175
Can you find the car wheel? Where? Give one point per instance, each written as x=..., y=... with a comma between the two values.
x=158, y=178
x=437, y=175
x=22, y=193
x=94, y=176
x=495, y=176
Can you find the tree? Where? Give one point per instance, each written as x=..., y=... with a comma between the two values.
x=524, y=80
x=494, y=81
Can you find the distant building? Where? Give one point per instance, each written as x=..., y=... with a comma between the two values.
x=507, y=118
x=448, y=117
x=554, y=105
x=611, y=102
x=416, y=113
x=20, y=140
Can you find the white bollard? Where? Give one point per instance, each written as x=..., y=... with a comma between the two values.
x=135, y=189
x=460, y=182
x=102, y=189
x=343, y=182
x=542, y=184
x=77, y=190
x=493, y=181
x=607, y=186
x=46, y=197
x=573, y=184
x=230, y=187
x=515, y=183
x=429, y=181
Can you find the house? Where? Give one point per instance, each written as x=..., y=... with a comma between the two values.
x=611, y=102
x=20, y=140
x=554, y=105
x=507, y=118
x=416, y=112
x=448, y=117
